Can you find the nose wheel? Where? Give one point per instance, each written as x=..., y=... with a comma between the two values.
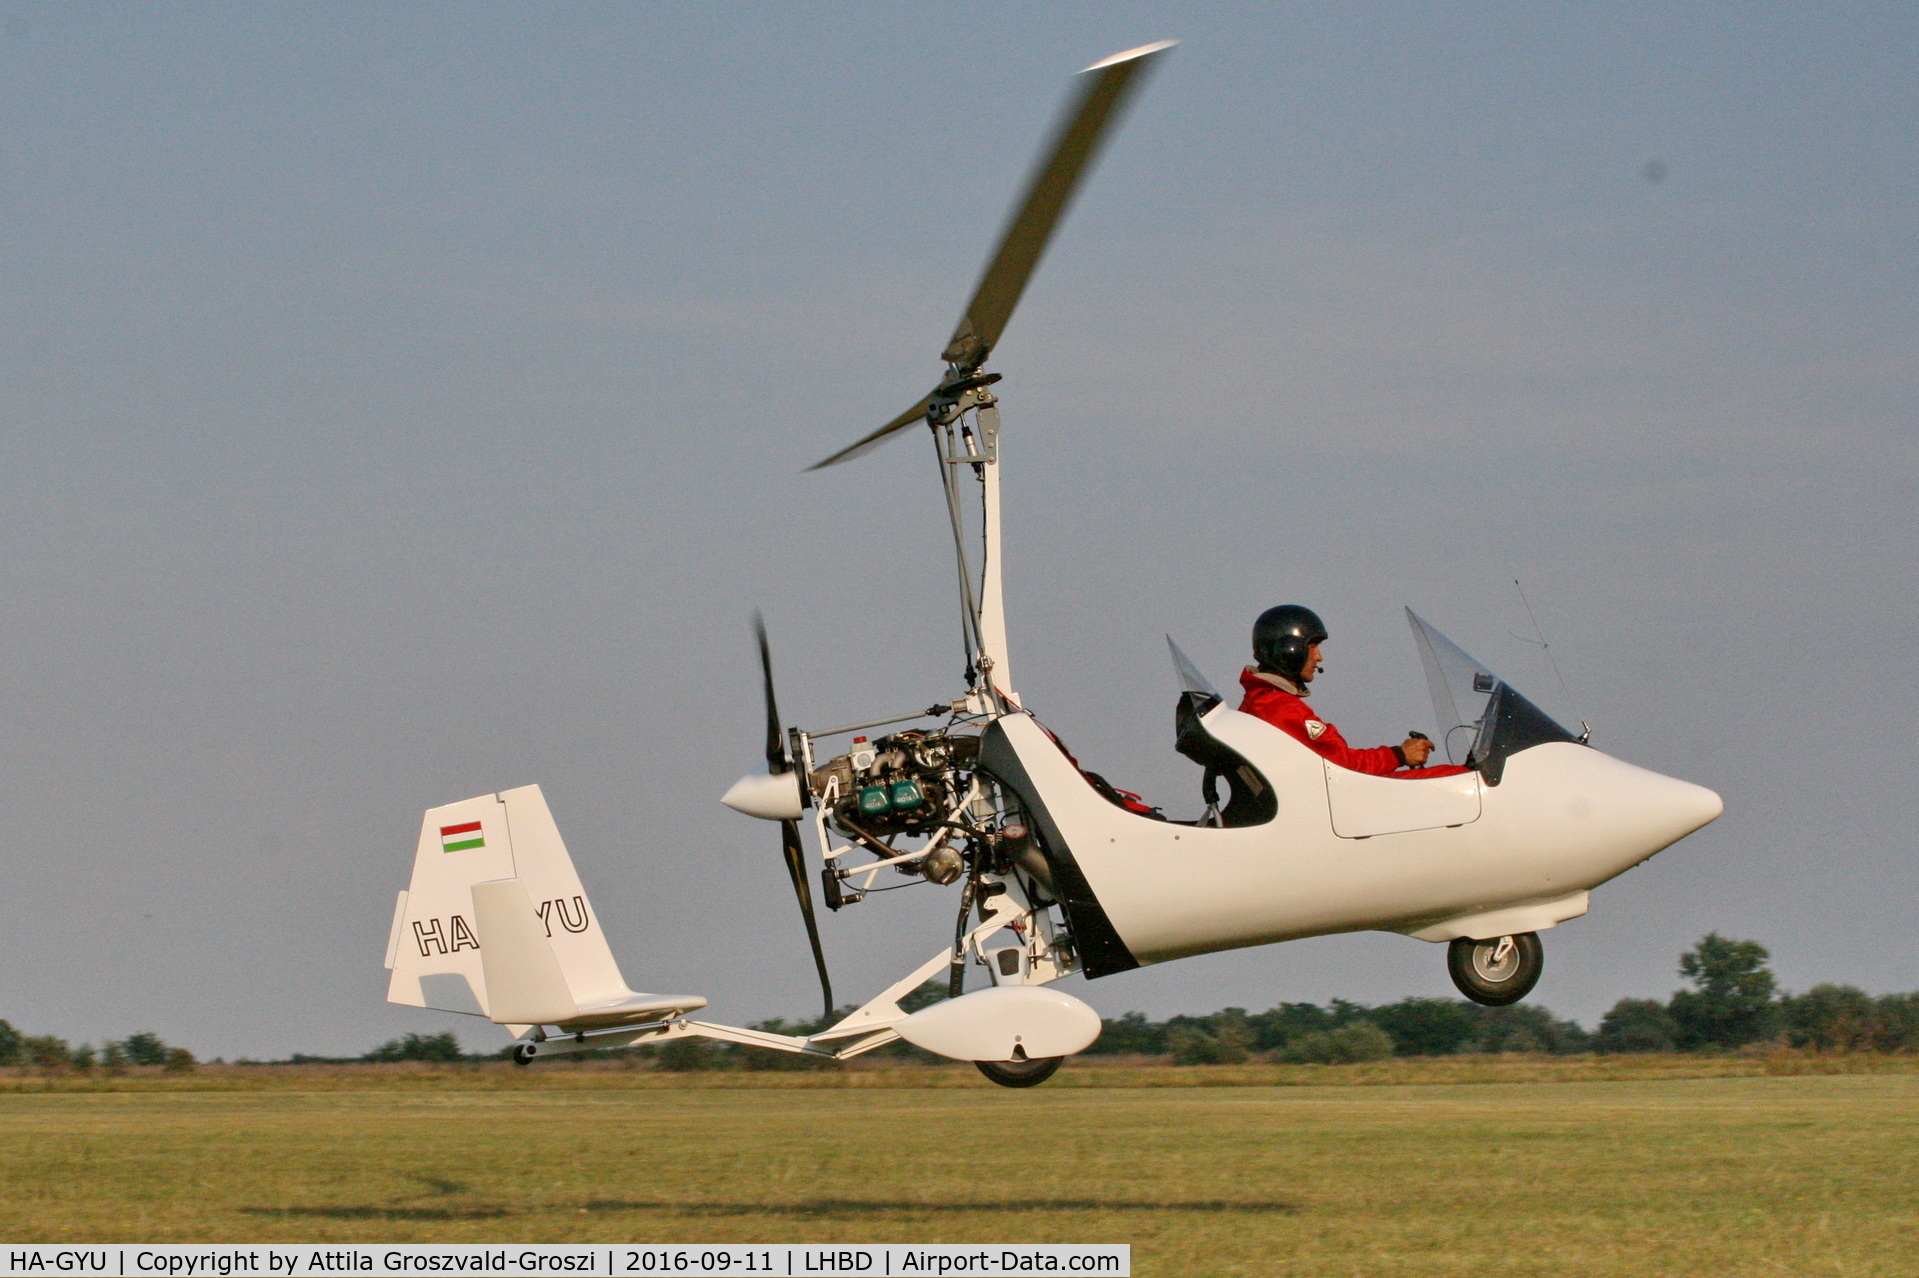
x=1496, y=971
x=1021, y=1073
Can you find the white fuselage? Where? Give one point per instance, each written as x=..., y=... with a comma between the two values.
x=1435, y=858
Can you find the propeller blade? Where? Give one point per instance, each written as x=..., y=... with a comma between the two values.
x=790, y=845
x=917, y=413
x=1107, y=86
x=776, y=760
x=796, y=866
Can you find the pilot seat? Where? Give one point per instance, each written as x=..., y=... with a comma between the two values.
x=1250, y=800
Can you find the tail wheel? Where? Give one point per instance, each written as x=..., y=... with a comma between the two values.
x=1021, y=1073
x=1496, y=971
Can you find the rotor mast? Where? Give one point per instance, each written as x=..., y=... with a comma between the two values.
x=961, y=411
x=992, y=604
x=964, y=445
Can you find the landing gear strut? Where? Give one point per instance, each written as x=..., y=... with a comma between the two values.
x=1498, y=970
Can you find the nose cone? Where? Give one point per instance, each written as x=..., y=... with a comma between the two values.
x=770, y=796
x=1661, y=810
x=1703, y=807
x=1680, y=808
x=1604, y=815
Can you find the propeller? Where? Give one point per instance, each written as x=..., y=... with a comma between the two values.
x=1103, y=92
x=778, y=763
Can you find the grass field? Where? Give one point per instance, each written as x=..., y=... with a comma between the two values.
x=1537, y=1169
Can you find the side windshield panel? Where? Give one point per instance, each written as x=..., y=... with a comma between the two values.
x=1483, y=720
x=1512, y=724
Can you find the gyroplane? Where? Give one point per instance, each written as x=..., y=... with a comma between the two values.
x=1055, y=872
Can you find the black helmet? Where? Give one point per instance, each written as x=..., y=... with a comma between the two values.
x=1281, y=637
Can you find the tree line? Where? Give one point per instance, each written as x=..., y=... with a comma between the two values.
x=1731, y=1000
x=1735, y=1000
x=45, y=1051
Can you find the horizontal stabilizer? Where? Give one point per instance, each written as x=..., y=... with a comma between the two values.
x=635, y=1008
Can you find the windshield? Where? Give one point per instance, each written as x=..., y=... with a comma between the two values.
x=1482, y=719
x=1460, y=688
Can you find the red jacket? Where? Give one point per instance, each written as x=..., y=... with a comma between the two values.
x=1289, y=713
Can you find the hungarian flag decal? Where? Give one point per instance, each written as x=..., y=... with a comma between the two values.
x=458, y=838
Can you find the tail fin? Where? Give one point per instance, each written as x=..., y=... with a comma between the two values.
x=434, y=948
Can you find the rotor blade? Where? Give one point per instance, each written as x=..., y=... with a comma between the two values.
x=1107, y=85
x=917, y=413
x=796, y=866
x=776, y=760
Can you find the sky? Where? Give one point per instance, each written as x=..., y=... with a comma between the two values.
x=400, y=403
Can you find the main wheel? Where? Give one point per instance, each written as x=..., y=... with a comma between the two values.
x=523, y=1055
x=1497, y=971
x=1021, y=1073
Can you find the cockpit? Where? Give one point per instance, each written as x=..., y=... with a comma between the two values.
x=1482, y=722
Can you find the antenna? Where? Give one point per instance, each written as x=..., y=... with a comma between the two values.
x=1585, y=732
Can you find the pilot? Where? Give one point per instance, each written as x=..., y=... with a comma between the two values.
x=1286, y=643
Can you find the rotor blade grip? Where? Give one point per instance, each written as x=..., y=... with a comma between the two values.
x=1074, y=146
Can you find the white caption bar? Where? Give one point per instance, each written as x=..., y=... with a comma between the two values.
x=760, y=1260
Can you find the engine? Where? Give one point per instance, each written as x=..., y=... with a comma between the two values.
x=906, y=783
